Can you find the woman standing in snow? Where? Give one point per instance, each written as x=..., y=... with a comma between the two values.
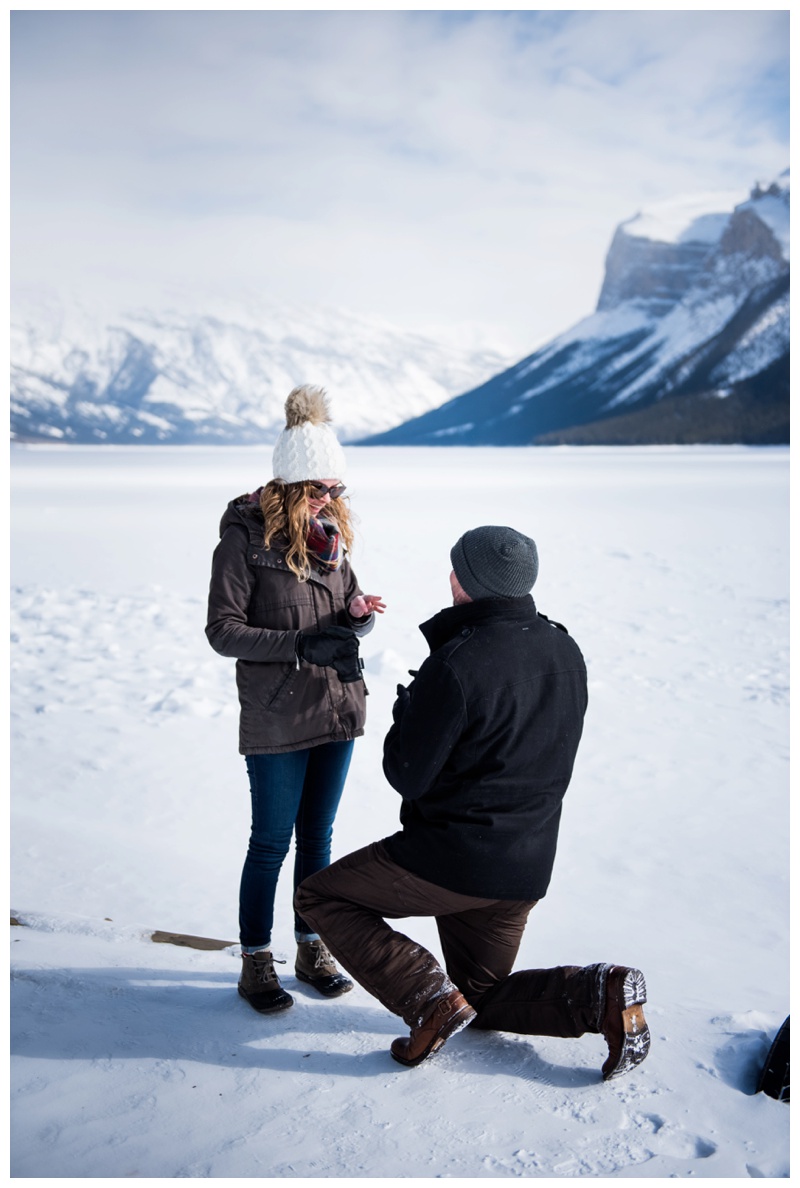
x=285, y=603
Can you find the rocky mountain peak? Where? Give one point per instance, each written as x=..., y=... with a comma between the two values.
x=657, y=257
x=689, y=341
x=657, y=275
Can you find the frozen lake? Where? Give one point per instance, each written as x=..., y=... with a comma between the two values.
x=670, y=566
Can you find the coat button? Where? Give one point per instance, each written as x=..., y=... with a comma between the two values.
x=255, y=556
x=465, y=631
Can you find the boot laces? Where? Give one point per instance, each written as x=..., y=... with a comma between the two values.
x=265, y=969
x=322, y=957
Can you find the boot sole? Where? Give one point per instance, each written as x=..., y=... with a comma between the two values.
x=328, y=992
x=272, y=1010
x=458, y=1023
x=635, y=1032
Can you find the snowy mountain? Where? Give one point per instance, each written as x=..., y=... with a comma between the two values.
x=180, y=377
x=689, y=342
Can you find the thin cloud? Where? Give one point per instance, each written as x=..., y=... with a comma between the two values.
x=423, y=166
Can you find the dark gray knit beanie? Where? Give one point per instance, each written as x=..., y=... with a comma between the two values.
x=492, y=562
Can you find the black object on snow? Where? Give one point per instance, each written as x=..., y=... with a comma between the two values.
x=774, y=1079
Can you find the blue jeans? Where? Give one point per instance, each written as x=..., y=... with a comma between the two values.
x=296, y=791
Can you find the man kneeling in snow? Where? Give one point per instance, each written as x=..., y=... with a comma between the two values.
x=481, y=750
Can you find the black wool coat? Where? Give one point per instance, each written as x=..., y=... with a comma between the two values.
x=256, y=608
x=482, y=749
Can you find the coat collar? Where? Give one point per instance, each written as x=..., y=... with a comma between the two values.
x=454, y=619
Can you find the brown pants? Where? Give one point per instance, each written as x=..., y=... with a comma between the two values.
x=348, y=904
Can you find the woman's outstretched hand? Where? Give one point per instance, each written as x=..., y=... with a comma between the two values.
x=364, y=604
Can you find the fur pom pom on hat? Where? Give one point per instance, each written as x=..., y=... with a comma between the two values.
x=308, y=447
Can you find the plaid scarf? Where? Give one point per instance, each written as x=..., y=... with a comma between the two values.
x=323, y=541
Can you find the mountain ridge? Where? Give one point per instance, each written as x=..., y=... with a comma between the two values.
x=697, y=315
x=212, y=378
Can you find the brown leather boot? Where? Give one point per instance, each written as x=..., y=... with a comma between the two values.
x=449, y=1015
x=316, y=966
x=623, y=1023
x=259, y=983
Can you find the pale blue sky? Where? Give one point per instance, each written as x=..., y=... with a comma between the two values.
x=433, y=169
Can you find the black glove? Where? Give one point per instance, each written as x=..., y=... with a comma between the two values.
x=402, y=703
x=334, y=647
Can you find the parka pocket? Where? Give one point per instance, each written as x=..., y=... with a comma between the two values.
x=277, y=698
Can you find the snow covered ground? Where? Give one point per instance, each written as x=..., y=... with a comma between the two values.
x=130, y=813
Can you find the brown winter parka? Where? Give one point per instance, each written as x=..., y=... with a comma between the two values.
x=256, y=608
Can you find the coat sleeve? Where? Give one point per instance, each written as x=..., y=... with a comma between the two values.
x=361, y=626
x=227, y=629
x=429, y=717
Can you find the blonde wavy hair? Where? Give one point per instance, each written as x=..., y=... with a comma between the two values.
x=285, y=510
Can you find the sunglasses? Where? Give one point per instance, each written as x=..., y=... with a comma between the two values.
x=320, y=490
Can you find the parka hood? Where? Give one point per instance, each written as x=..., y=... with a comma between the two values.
x=244, y=510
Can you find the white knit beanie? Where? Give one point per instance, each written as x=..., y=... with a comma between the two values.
x=307, y=448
